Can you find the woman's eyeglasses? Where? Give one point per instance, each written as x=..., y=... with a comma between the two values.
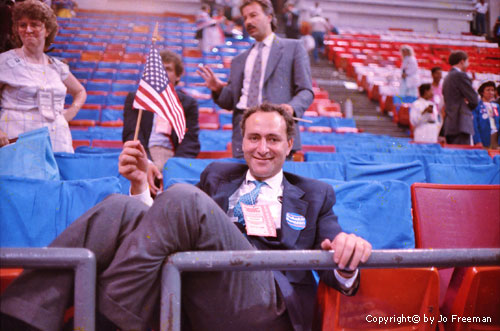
x=34, y=25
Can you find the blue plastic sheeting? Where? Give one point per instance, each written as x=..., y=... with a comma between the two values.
x=173, y=181
x=411, y=172
x=462, y=159
x=496, y=160
x=86, y=166
x=184, y=168
x=332, y=122
x=96, y=150
x=80, y=166
x=31, y=157
x=327, y=169
x=463, y=174
x=33, y=212
x=380, y=212
x=214, y=140
x=458, y=151
x=179, y=167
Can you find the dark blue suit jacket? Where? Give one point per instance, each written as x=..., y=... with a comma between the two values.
x=304, y=196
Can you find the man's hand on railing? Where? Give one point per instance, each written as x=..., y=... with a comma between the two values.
x=350, y=250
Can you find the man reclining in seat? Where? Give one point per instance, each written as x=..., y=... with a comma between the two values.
x=132, y=240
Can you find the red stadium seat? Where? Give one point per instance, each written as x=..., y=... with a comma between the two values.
x=118, y=144
x=84, y=123
x=7, y=275
x=474, y=292
x=208, y=121
x=318, y=148
x=382, y=293
x=214, y=154
x=78, y=143
x=455, y=216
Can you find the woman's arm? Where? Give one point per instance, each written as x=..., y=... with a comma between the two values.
x=78, y=93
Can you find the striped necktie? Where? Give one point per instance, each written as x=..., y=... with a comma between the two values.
x=249, y=198
x=253, y=90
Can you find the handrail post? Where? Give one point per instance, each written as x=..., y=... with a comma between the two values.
x=81, y=260
x=170, y=319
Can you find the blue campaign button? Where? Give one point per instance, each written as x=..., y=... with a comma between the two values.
x=296, y=221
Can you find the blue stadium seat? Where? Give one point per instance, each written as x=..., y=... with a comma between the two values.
x=111, y=115
x=179, y=167
x=88, y=114
x=409, y=173
x=367, y=209
x=325, y=169
x=35, y=220
x=463, y=173
x=97, y=86
x=116, y=99
x=120, y=86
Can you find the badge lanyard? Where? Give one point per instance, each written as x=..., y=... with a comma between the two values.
x=45, y=97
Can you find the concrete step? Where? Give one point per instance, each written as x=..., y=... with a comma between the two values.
x=365, y=110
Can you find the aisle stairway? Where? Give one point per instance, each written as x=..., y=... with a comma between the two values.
x=366, y=115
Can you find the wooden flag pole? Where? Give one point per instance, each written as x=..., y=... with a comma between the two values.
x=138, y=124
x=139, y=115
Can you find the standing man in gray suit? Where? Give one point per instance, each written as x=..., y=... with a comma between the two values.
x=274, y=70
x=460, y=99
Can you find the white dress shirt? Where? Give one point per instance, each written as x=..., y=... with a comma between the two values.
x=247, y=73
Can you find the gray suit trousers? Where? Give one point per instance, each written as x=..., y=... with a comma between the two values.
x=131, y=243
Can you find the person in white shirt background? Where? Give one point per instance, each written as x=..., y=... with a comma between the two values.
x=481, y=8
x=425, y=117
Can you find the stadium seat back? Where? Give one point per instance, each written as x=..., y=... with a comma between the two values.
x=382, y=293
x=463, y=174
x=366, y=208
x=411, y=172
x=456, y=216
x=474, y=292
x=35, y=211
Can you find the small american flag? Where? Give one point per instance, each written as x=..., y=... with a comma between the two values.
x=157, y=94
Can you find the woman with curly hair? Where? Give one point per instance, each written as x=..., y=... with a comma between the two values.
x=33, y=85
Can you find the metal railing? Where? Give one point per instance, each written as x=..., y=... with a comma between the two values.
x=81, y=260
x=300, y=260
x=84, y=264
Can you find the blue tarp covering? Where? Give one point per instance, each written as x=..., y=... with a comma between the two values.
x=91, y=165
x=179, y=167
x=214, y=140
x=380, y=212
x=463, y=174
x=33, y=212
x=31, y=157
x=327, y=169
x=409, y=173
x=182, y=168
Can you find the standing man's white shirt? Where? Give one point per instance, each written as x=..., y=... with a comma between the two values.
x=481, y=8
x=247, y=74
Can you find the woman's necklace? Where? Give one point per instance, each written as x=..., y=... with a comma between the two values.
x=44, y=69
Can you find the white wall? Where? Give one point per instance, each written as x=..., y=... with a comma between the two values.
x=420, y=15
x=188, y=7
